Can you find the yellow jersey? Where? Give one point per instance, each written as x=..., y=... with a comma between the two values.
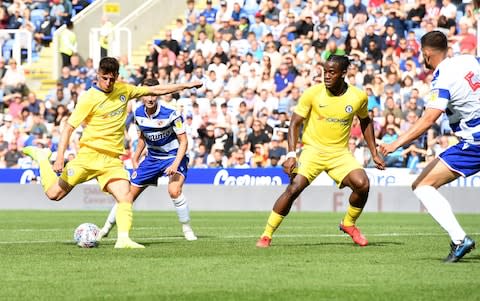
x=328, y=118
x=104, y=116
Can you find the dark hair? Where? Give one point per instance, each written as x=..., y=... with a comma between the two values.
x=109, y=65
x=342, y=60
x=435, y=39
x=150, y=82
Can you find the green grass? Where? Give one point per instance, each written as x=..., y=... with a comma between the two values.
x=309, y=259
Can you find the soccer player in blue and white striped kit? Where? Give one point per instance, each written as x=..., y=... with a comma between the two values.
x=455, y=91
x=162, y=131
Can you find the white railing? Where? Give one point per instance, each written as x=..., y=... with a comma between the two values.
x=121, y=43
x=22, y=39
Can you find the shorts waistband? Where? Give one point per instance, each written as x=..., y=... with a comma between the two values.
x=88, y=148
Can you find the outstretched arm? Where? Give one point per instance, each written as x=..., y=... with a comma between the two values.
x=418, y=128
x=167, y=89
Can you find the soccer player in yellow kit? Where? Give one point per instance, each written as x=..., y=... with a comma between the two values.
x=102, y=110
x=326, y=111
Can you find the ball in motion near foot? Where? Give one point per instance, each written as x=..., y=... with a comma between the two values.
x=85, y=235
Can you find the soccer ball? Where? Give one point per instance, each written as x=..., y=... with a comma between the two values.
x=85, y=235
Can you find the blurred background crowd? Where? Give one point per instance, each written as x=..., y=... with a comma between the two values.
x=255, y=58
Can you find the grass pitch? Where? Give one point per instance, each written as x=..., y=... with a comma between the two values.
x=310, y=259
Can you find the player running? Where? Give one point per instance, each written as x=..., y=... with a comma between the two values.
x=162, y=131
x=456, y=92
x=326, y=112
x=102, y=110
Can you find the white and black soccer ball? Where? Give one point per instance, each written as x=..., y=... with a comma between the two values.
x=85, y=235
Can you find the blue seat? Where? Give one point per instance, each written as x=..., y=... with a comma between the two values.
x=37, y=17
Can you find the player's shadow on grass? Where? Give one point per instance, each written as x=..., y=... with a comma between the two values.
x=344, y=243
x=471, y=259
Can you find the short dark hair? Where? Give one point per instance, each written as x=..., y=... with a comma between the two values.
x=435, y=39
x=150, y=82
x=342, y=60
x=109, y=65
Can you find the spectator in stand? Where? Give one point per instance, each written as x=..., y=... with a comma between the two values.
x=237, y=13
x=204, y=27
x=171, y=43
x=465, y=41
x=415, y=15
x=258, y=28
x=210, y=13
x=283, y=80
x=356, y=8
x=257, y=136
x=14, y=79
x=12, y=156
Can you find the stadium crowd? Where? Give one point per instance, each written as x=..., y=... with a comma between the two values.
x=255, y=59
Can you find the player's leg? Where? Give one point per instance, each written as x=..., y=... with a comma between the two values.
x=56, y=188
x=436, y=174
x=111, y=218
x=310, y=165
x=281, y=208
x=114, y=179
x=124, y=215
x=346, y=171
x=358, y=181
x=175, y=190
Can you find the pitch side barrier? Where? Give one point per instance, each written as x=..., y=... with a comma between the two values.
x=241, y=190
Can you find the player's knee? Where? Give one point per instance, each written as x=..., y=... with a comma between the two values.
x=362, y=185
x=175, y=192
x=293, y=190
x=54, y=195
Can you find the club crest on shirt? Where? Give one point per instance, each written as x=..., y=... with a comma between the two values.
x=160, y=122
x=123, y=98
x=349, y=109
x=134, y=175
x=70, y=172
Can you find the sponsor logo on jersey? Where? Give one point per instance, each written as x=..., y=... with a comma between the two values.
x=155, y=136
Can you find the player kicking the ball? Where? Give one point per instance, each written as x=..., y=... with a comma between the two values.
x=102, y=110
x=163, y=132
x=326, y=112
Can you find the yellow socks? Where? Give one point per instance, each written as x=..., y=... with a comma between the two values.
x=351, y=216
x=124, y=219
x=274, y=220
x=48, y=176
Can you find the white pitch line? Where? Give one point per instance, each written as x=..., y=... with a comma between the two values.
x=141, y=239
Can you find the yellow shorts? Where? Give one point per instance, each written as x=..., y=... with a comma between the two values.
x=337, y=165
x=91, y=164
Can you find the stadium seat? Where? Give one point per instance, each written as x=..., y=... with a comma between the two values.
x=37, y=17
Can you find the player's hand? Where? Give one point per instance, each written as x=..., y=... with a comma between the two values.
x=195, y=84
x=58, y=165
x=379, y=162
x=289, y=165
x=171, y=170
x=386, y=149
